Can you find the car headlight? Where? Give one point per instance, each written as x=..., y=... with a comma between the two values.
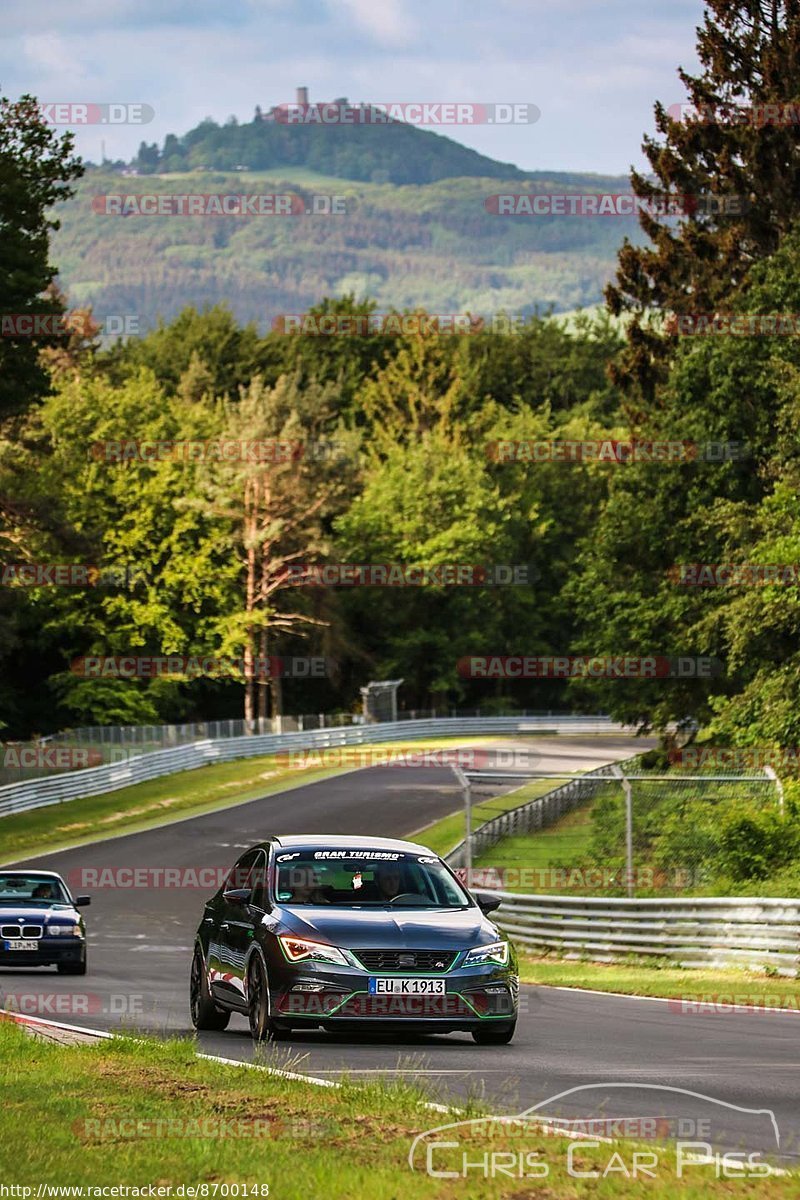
x=495, y=952
x=297, y=949
x=64, y=931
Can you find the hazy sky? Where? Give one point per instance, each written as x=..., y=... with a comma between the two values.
x=593, y=67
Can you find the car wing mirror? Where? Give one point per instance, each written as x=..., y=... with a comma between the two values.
x=82, y=901
x=487, y=901
x=238, y=896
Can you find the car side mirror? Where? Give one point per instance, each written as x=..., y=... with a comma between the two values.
x=238, y=896
x=82, y=901
x=487, y=901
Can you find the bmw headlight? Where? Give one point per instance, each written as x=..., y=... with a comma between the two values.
x=300, y=949
x=64, y=931
x=495, y=952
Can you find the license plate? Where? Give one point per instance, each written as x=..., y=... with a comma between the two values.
x=17, y=945
x=407, y=987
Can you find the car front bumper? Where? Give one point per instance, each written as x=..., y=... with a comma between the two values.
x=48, y=952
x=310, y=993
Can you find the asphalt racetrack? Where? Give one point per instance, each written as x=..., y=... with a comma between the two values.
x=624, y=1054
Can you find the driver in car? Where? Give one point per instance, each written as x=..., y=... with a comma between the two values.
x=42, y=891
x=388, y=881
x=306, y=887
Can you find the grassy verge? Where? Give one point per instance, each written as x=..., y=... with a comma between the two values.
x=188, y=793
x=528, y=858
x=142, y=1113
x=442, y=836
x=633, y=979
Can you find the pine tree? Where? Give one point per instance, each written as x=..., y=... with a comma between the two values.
x=740, y=153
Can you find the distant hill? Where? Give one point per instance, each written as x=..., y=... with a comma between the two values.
x=367, y=153
x=434, y=245
x=420, y=227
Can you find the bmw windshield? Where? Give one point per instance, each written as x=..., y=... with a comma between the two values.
x=34, y=889
x=365, y=878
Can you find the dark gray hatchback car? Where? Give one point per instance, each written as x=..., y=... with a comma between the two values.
x=352, y=933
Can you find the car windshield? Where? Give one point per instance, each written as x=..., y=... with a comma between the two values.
x=362, y=877
x=32, y=889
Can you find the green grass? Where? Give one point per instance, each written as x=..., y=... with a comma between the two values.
x=130, y=1112
x=187, y=793
x=635, y=979
x=530, y=859
x=443, y=835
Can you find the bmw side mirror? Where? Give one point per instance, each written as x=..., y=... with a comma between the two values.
x=238, y=896
x=82, y=901
x=487, y=901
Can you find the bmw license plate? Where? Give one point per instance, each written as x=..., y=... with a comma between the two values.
x=19, y=945
x=407, y=987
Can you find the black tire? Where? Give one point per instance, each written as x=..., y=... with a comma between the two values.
x=205, y=1014
x=262, y=1027
x=76, y=968
x=494, y=1036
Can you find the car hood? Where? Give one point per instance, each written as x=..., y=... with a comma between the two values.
x=402, y=929
x=12, y=914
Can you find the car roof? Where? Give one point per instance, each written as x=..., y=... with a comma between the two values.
x=357, y=841
x=4, y=872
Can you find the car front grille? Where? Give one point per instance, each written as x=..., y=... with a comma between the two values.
x=21, y=931
x=406, y=960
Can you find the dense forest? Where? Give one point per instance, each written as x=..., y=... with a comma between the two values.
x=401, y=457
x=432, y=245
x=392, y=152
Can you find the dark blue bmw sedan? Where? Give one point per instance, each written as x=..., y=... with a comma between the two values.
x=40, y=925
x=352, y=933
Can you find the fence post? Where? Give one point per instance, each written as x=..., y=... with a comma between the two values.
x=770, y=773
x=628, y=790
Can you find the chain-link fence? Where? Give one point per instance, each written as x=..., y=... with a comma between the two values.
x=625, y=831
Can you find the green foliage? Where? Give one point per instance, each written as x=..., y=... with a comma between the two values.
x=36, y=168
x=431, y=245
x=394, y=152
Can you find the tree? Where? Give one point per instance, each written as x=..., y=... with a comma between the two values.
x=743, y=148
x=270, y=514
x=36, y=167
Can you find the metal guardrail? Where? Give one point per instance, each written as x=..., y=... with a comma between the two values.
x=715, y=932
x=96, y=781
x=694, y=932
x=534, y=814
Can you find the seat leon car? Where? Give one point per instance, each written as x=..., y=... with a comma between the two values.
x=349, y=933
x=40, y=925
